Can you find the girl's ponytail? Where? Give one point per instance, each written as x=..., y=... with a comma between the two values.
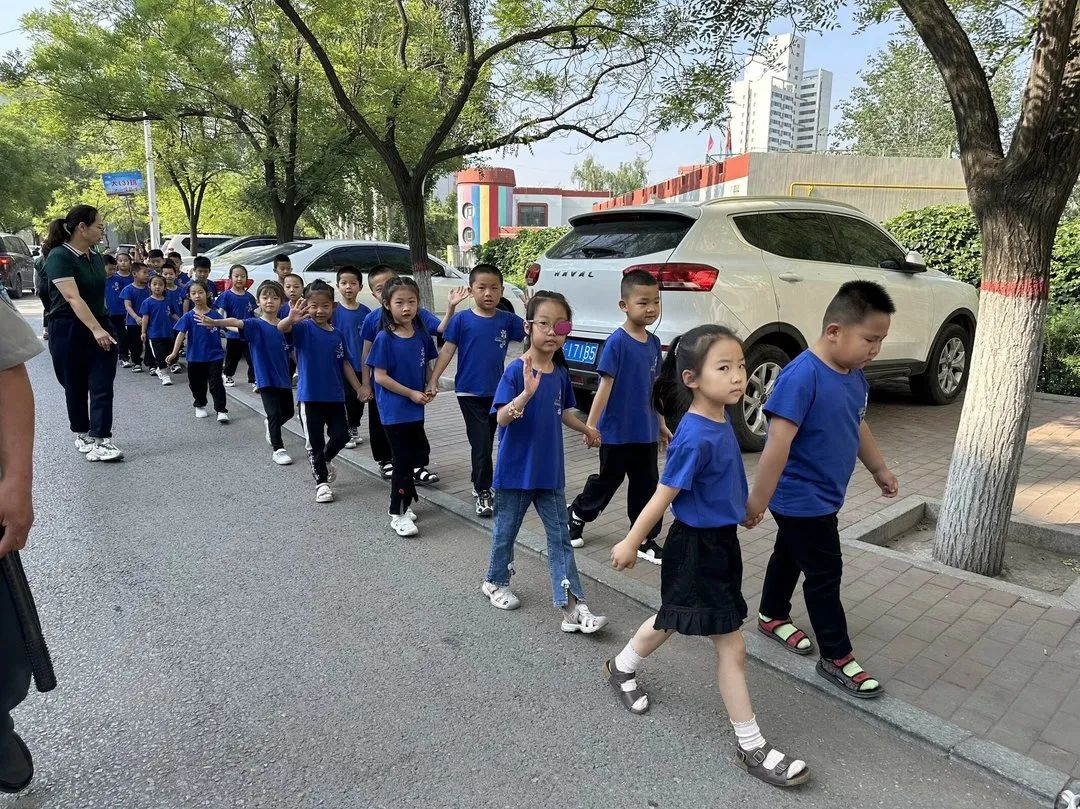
x=670, y=396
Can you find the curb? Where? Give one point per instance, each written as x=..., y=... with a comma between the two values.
x=1022, y=773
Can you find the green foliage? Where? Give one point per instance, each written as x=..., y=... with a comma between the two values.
x=948, y=238
x=1060, y=369
x=441, y=222
x=513, y=256
x=592, y=176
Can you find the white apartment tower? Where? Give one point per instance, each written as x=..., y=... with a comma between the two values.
x=777, y=106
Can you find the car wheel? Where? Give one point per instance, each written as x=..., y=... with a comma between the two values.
x=17, y=286
x=946, y=375
x=763, y=365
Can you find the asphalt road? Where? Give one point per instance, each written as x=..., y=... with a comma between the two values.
x=223, y=641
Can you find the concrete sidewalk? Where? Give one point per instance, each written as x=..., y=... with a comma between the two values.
x=1000, y=666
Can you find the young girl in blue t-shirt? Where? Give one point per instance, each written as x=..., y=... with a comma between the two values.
x=156, y=322
x=204, y=352
x=532, y=403
x=701, y=579
x=401, y=361
x=236, y=302
x=322, y=362
x=270, y=358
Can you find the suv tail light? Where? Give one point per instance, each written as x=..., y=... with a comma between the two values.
x=532, y=275
x=680, y=277
x=7, y=263
x=221, y=285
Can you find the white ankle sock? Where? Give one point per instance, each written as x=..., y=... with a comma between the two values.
x=628, y=661
x=750, y=738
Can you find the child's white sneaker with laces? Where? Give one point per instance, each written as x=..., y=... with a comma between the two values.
x=223, y=418
x=403, y=526
x=165, y=378
x=281, y=457
x=324, y=494
x=580, y=619
x=200, y=413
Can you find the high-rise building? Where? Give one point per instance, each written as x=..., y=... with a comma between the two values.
x=777, y=106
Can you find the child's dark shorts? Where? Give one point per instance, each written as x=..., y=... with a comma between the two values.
x=701, y=581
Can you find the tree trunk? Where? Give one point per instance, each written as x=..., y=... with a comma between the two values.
x=285, y=218
x=979, y=494
x=412, y=207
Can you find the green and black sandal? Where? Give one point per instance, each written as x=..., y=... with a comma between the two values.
x=785, y=633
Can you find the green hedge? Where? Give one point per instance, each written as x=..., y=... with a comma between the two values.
x=948, y=238
x=1060, y=369
x=513, y=256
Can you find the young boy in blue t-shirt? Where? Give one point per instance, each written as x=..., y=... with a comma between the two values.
x=816, y=431
x=631, y=431
x=479, y=337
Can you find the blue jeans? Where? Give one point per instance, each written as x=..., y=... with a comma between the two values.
x=510, y=508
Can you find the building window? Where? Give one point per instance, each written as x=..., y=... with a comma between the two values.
x=467, y=235
x=532, y=214
x=467, y=210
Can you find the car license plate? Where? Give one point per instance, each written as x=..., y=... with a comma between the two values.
x=582, y=352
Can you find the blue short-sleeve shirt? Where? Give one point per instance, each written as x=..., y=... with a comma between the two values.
x=114, y=286
x=405, y=359
x=629, y=417
x=320, y=354
x=203, y=344
x=373, y=324
x=236, y=306
x=269, y=354
x=703, y=460
x=828, y=407
x=481, y=349
x=350, y=322
x=160, y=323
x=136, y=295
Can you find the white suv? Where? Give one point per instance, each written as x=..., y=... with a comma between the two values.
x=767, y=267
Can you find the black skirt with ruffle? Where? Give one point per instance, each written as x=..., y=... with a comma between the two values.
x=701, y=581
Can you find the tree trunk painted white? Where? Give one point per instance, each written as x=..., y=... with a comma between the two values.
x=990, y=440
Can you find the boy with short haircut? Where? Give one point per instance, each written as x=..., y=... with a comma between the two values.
x=480, y=336
x=133, y=296
x=283, y=267
x=348, y=318
x=817, y=430
x=155, y=260
x=201, y=272
x=178, y=262
x=631, y=431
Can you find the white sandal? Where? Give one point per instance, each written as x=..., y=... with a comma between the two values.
x=500, y=597
x=582, y=620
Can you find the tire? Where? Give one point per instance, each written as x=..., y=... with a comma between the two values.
x=17, y=286
x=946, y=374
x=763, y=365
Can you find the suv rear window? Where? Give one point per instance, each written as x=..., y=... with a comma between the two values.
x=622, y=237
x=792, y=234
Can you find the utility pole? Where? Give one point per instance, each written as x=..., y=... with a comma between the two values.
x=151, y=189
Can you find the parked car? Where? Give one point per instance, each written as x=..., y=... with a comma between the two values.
x=320, y=258
x=182, y=243
x=233, y=244
x=766, y=267
x=16, y=265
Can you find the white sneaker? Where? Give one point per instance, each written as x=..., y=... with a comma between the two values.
x=165, y=378
x=281, y=457
x=200, y=413
x=138, y=369
x=229, y=383
x=353, y=440
x=266, y=424
x=331, y=472
x=323, y=493
x=223, y=418
x=105, y=451
x=84, y=443
x=402, y=525
x=125, y=363
x=581, y=620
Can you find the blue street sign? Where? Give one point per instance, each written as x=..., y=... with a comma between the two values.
x=123, y=183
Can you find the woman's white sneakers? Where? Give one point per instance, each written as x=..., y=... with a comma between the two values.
x=582, y=620
x=281, y=457
x=404, y=525
x=83, y=443
x=324, y=494
x=200, y=413
x=104, y=450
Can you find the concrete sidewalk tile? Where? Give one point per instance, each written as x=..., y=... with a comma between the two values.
x=1024, y=613
x=1063, y=732
x=905, y=648
x=923, y=672
x=1038, y=703
x=945, y=650
x=886, y=627
x=948, y=610
x=988, y=651
x=1047, y=632
x=972, y=720
x=967, y=594
x=927, y=628
x=1054, y=756
x=908, y=610
x=942, y=698
x=1008, y=631
x=984, y=611
x=966, y=672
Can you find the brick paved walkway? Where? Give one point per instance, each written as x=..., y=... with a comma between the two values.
x=994, y=664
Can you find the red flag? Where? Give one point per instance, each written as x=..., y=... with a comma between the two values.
x=728, y=148
x=709, y=146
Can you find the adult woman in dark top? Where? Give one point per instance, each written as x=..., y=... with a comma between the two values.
x=81, y=341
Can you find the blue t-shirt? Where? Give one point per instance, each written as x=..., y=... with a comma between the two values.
x=350, y=322
x=481, y=349
x=114, y=304
x=182, y=279
x=211, y=293
x=629, y=417
x=269, y=354
x=405, y=359
x=203, y=344
x=283, y=311
x=175, y=297
x=531, y=448
x=828, y=408
x=160, y=324
x=136, y=295
x=240, y=307
x=703, y=460
x=373, y=324
x=319, y=357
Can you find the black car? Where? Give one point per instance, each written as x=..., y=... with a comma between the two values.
x=16, y=265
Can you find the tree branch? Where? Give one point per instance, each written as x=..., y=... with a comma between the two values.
x=404, y=42
x=969, y=92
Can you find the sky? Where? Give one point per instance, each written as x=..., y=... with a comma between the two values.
x=550, y=163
